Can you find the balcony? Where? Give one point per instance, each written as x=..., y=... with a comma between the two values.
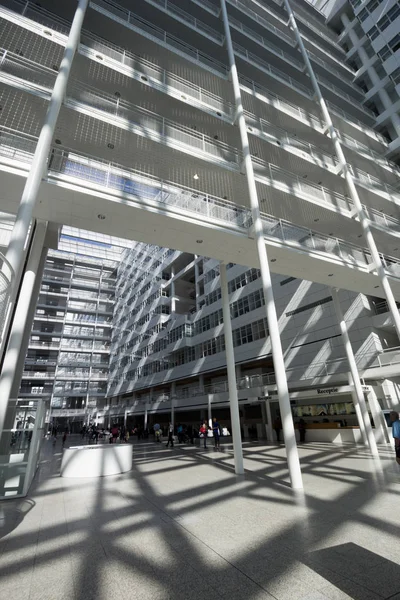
x=158, y=76
x=87, y=171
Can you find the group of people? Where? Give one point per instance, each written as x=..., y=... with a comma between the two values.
x=114, y=434
x=188, y=433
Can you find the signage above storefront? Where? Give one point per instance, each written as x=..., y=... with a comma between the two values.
x=325, y=391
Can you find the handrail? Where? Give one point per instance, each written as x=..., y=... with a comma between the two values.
x=95, y=171
x=115, y=52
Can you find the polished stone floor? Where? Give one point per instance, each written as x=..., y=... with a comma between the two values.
x=182, y=526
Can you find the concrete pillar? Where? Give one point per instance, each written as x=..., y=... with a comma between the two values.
x=209, y=399
x=230, y=365
x=145, y=418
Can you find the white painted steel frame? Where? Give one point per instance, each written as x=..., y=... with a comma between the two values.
x=273, y=325
x=359, y=210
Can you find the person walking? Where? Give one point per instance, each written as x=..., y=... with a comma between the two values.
x=394, y=418
x=170, y=435
x=203, y=432
x=277, y=428
x=216, y=433
x=157, y=432
x=302, y=430
x=64, y=437
x=179, y=431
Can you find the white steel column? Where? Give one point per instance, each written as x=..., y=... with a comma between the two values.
x=358, y=413
x=172, y=290
x=145, y=418
x=230, y=366
x=269, y=419
x=377, y=415
x=354, y=373
x=273, y=325
x=369, y=239
x=20, y=319
x=173, y=397
x=29, y=196
x=209, y=409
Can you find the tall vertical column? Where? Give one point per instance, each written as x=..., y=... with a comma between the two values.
x=359, y=393
x=230, y=366
x=145, y=421
x=173, y=400
x=29, y=196
x=19, y=367
x=209, y=414
x=20, y=323
x=201, y=383
x=379, y=419
x=364, y=222
x=172, y=291
x=269, y=418
x=359, y=415
x=273, y=325
x=196, y=280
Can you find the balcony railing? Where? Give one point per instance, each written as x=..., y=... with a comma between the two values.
x=114, y=177
x=123, y=57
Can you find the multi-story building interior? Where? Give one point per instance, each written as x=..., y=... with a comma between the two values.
x=68, y=354
x=369, y=32
x=155, y=143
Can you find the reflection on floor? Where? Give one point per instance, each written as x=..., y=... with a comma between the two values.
x=182, y=526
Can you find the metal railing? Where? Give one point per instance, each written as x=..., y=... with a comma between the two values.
x=90, y=171
x=118, y=54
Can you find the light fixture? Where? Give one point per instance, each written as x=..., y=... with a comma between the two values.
x=117, y=94
x=101, y=217
x=273, y=259
x=330, y=274
x=195, y=176
x=215, y=137
x=111, y=146
x=395, y=249
x=376, y=286
x=316, y=220
x=360, y=236
x=199, y=241
x=57, y=141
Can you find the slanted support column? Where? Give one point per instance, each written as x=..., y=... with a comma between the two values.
x=364, y=222
x=230, y=366
x=272, y=319
x=29, y=196
x=19, y=324
x=359, y=393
